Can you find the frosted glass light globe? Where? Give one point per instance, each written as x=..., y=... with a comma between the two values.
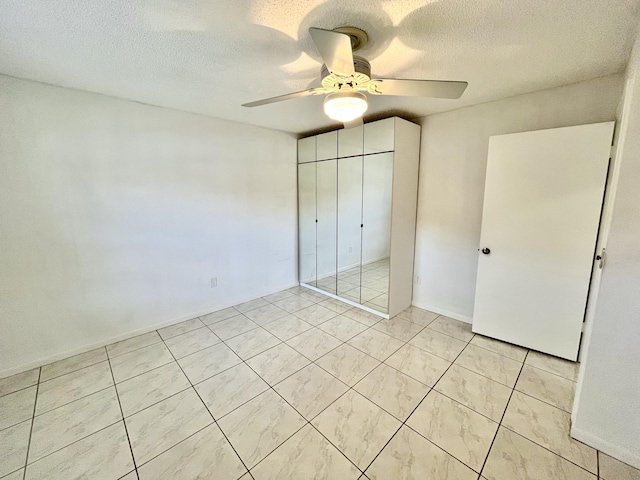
x=345, y=106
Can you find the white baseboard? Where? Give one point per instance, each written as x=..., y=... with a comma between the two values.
x=440, y=311
x=132, y=333
x=615, y=451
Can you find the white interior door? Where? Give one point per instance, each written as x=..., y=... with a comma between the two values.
x=542, y=203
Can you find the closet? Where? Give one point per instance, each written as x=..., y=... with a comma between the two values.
x=357, y=197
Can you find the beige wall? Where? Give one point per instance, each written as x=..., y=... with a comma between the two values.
x=453, y=161
x=115, y=215
x=606, y=412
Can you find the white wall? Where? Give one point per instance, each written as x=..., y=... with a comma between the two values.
x=606, y=412
x=453, y=161
x=114, y=216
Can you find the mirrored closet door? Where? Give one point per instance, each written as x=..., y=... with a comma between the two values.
x=357, y=207
x=327, y=215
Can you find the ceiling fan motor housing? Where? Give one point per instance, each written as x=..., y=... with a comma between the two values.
x=336, y=82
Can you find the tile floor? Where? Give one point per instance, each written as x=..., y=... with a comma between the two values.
x=297, y=386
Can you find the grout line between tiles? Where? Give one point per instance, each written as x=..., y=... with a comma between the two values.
x=212, y=417
x=417, y=406
x=74, y=371
x=126, y=430
x=33, y=420
x=495, y=435
x=548, y=449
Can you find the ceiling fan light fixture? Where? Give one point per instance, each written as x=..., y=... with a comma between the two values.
x=345, y=106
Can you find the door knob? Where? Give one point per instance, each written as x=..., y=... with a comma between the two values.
x=486, y=251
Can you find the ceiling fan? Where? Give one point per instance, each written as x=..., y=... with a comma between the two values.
x=345, y=77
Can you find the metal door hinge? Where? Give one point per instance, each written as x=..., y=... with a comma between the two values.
x=601, y=257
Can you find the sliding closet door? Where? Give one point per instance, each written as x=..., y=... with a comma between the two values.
x=377, y=182
x=327, y=204
x=307, y=222
x=349, y=227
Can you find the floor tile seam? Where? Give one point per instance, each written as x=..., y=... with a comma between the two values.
x=111, y=357
x=283, y=399
x=413, y=411
x=402, y=340
x=24, y=419
x=215, y=374
x=279, y=445
x=387, y=357
x=404, y=373
x=451, y=336
x=237, y=335
x=383, y=362
x=186, y=333
x=485, y=376
x=543, y=401
x=550, y=451
x=33, y=420
x=434, y=354
x=156, y=403
x=182, y=333
x=135, y=470
x=218, y=321
x=69, y=444
x=20, y=389
x=74, y=400
x=383, y=408
x=147, y=371
x=290, y=375
x=126, y=429
x=502, y=354
x=181, y=441
x=552, y=373
x=72, y=371
x=324, y=321
x=309, y=422
x=6, y=475
x=467, y=406
x=272, y=321
x=213, y=420
x=441, y=448
x=495, y=435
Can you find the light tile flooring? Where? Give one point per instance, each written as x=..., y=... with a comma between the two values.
x=297, y=386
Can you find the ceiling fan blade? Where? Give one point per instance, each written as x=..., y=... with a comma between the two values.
x=335, y=50
x=353, y=123
x=304, y=93
x=419, y=88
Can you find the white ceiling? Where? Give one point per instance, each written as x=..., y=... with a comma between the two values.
x=209, y=56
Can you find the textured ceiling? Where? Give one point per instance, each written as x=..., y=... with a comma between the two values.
x=210, y=56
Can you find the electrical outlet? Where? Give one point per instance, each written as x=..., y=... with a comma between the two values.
x=350, y=249
x=214, y=282
x=417, y=279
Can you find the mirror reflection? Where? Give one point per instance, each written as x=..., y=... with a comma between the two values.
x=349, y=229
x=307, y=222
x=376, y=232
x=345, y=213
x=326, y=231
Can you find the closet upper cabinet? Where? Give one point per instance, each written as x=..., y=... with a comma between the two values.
x=327, y=146
x=357, y=212
x=379, y=136
x=350, y=142
x=307, y=150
